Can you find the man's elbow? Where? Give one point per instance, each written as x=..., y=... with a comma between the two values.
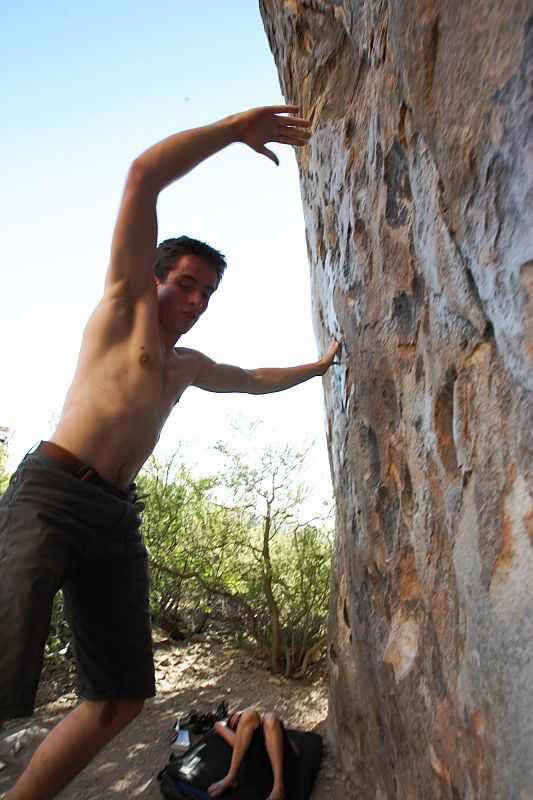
x=256, y=382
x=140, y=176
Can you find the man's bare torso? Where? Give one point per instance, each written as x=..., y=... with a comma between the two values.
x=124, y=388
x=129, y=373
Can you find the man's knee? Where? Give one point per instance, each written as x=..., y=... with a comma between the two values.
x=114, y=713
x=271, y=721
x=250, y=717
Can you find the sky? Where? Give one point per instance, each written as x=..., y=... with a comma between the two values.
x=85, y=88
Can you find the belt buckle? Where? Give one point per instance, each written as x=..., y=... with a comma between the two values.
x=86, y=473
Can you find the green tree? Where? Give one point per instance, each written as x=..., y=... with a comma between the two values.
x=236, y=544
x=183, y=530
x=289, y=584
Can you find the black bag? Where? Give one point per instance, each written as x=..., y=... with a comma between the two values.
x=200, y=722
x=188, y=776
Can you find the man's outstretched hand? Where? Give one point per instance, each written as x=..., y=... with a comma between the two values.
x=271, y=124
x=328, y=359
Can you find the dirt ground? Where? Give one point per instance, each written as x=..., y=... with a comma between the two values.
x=193, y=676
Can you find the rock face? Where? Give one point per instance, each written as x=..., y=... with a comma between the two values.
x=418, y=190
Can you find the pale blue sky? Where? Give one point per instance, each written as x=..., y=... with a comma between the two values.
x=85, y=88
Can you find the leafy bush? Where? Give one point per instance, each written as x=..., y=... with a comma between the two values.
x=250, y=560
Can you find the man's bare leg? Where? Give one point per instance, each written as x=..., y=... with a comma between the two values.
x=274, y=747
x=249, y=721
x=71, y=745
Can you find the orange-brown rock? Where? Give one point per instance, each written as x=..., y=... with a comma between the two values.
x=417, y=189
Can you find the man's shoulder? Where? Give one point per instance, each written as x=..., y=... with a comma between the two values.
x=191, y=360
x=188, y=354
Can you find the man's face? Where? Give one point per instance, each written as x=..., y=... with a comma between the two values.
x=185, y=293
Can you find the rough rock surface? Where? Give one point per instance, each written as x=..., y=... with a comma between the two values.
x=418, y=190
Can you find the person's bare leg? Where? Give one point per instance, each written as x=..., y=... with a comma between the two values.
x=71, y=745
x=274, y=747
x=249, y=721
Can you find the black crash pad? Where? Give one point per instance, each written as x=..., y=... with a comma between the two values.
x=207, y=761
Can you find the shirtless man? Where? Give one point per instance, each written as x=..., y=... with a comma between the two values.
x=70, y=517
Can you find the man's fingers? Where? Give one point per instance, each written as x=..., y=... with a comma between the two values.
x=297, y=133
x=299, y=142
x=334, y=350
x=268, y=153
x=284, y=109
x=297, y=122
x=293, y=136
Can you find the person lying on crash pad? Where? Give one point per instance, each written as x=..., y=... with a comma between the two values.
x=257, y=738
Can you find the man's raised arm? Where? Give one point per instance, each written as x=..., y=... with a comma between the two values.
x=135, y=237
x=215, y=377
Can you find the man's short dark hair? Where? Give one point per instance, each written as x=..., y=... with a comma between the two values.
x=171, y=249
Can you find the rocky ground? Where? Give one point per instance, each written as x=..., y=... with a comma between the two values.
x=196, y=675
